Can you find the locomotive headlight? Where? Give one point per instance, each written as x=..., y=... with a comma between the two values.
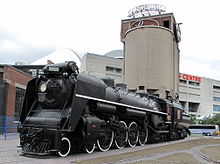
x=43, y=87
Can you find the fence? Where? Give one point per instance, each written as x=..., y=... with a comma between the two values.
x=8, y=127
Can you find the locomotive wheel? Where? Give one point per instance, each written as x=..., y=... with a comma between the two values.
x=64, y=148
x=133, y=134
x=143, y=136
x=105, y=142
x=121, y=136
x=90, y=148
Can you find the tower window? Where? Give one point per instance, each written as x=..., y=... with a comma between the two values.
x=141, y=87
x=166, y=24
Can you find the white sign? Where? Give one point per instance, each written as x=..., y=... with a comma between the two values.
x=147, y=9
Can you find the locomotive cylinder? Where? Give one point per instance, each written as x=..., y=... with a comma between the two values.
x=92, y=128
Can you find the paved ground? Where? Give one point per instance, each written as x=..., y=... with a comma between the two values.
x=193, y=150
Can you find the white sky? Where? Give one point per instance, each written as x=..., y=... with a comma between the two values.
x=30, y=29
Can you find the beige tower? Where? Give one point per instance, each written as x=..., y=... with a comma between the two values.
x=151, y=54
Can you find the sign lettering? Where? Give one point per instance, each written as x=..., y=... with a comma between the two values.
x=147, y=9
x=190, y=77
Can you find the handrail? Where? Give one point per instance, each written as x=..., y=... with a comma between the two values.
x=8, y=127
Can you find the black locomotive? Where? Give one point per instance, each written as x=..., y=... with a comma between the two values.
x=64, y=110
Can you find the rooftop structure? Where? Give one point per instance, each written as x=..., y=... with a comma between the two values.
x=59, y=56
x=151, y=54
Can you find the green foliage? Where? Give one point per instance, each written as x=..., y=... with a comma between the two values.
x=212, y=120
x=193, y=119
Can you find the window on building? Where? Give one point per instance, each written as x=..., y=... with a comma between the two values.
x=109, y=68
x=33, y=72
x=132, y=90
x=153, y=92
x=194, y=83
x=113, y=69
x=183, y=104
x=1, y=77
x=193, y=107
x=18, y=101
x=141, y=87
x=216, y=87
x=216, y=108
x=166, y=24
x=41, y=71
x=182, y=81
x=216, y=99
x=118, y=70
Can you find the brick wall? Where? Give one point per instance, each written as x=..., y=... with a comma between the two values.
x=11, y=100
x=14, y=78
x=128, y=24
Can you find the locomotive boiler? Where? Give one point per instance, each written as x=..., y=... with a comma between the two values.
x=65, y=110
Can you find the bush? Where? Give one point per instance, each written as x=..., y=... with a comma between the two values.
x=212, y=120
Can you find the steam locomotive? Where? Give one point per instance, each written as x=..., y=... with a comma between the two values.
x=65, y=110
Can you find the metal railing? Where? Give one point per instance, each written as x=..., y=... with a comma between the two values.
x=8, y=127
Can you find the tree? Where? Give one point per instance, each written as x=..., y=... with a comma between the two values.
x=193, y=119
x=212, y=120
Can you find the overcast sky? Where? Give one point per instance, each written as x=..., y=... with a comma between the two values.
x=30, y=29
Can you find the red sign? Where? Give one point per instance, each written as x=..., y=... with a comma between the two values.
x=190, y=77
